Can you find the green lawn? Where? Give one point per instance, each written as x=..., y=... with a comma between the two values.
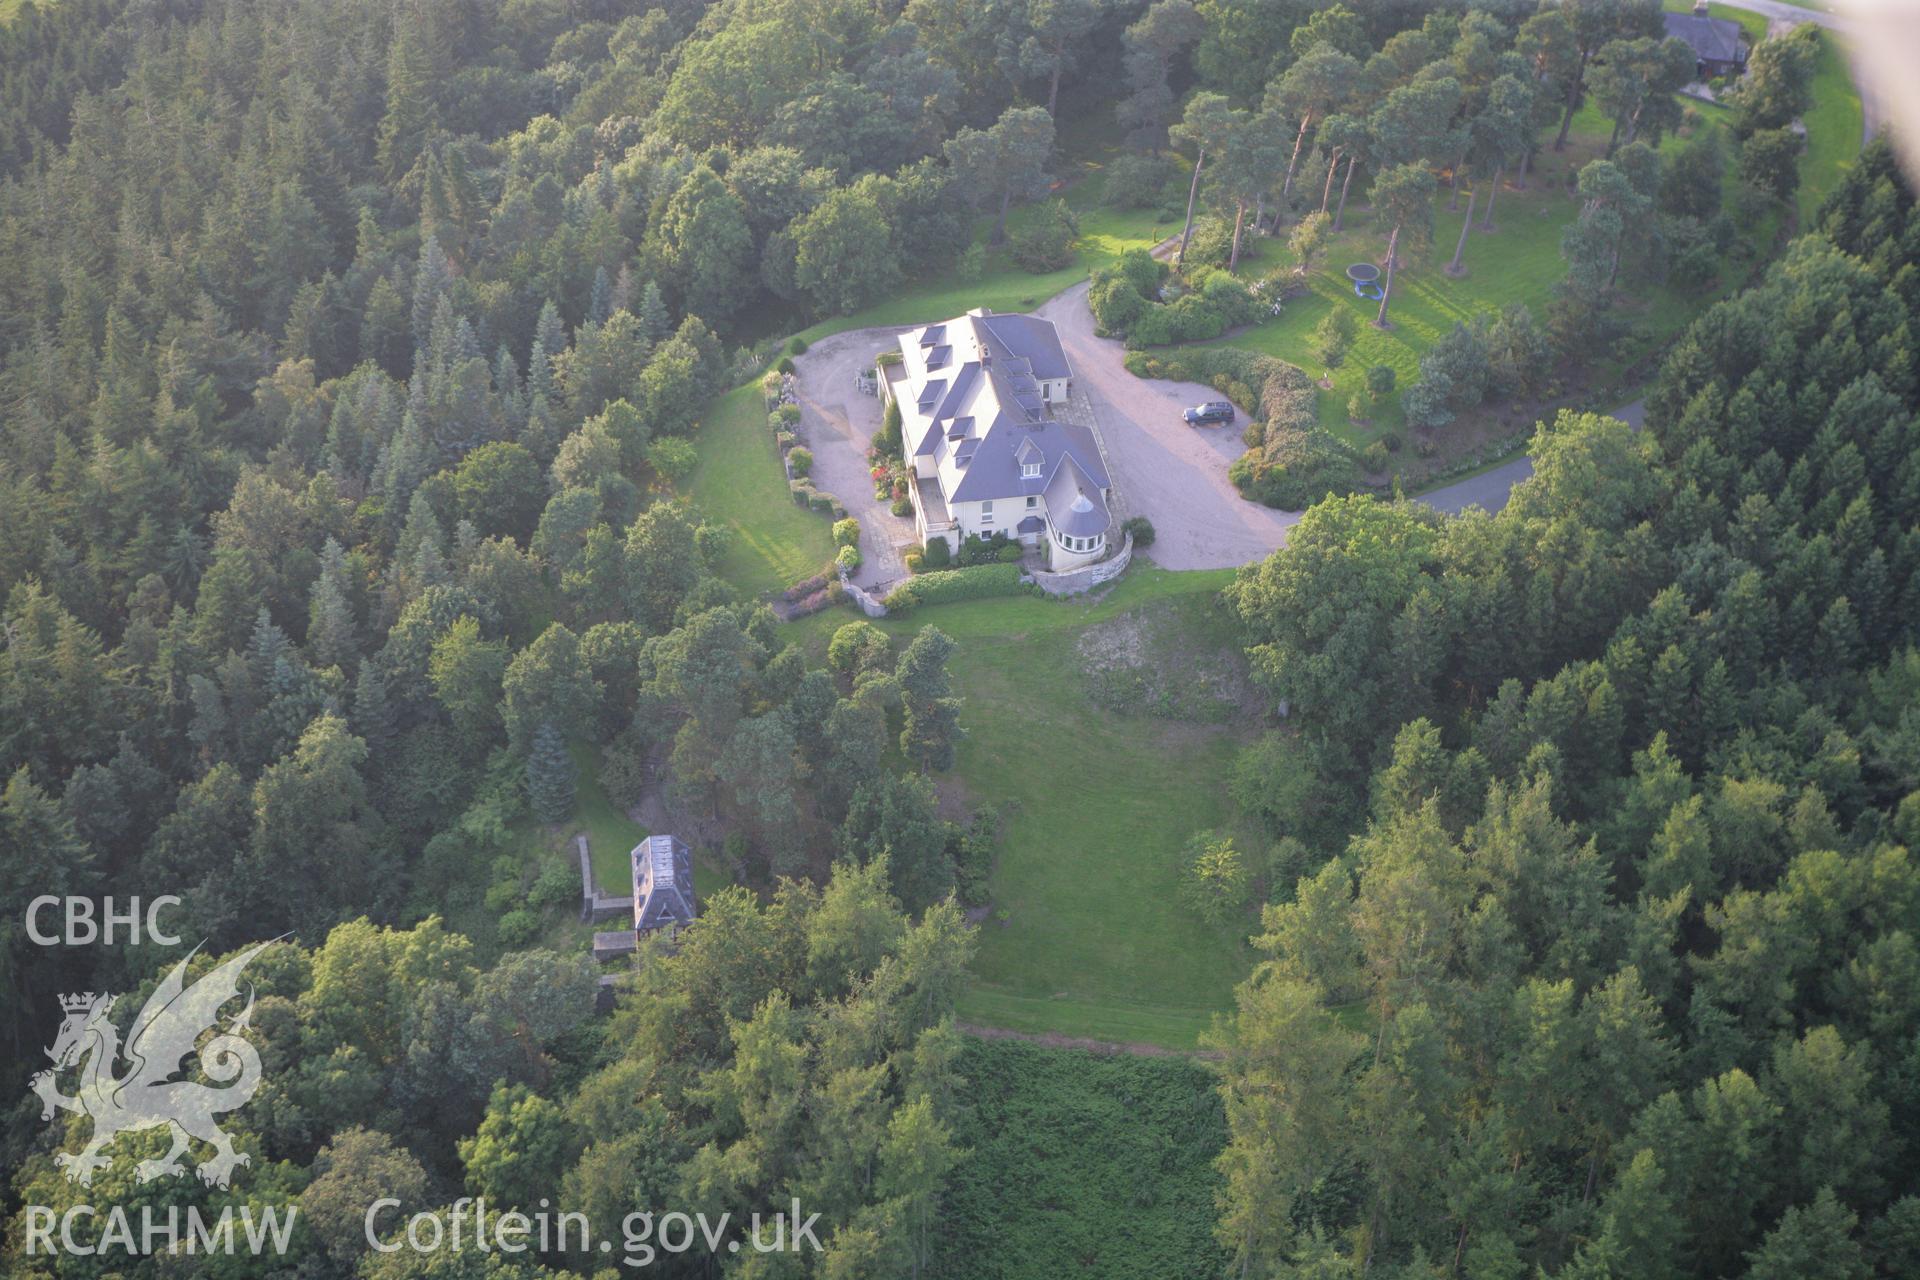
x=740, y=482
x=1833, y=128
x=1086, y=937
x=611, y=835
x=1518, y=262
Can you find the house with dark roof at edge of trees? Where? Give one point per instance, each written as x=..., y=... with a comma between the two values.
x=978, y=398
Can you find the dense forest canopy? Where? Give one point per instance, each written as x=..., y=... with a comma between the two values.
x=352, y=357
x=1630, y=911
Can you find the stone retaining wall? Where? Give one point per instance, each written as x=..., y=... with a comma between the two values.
x=864, y=600
x=1076, y=581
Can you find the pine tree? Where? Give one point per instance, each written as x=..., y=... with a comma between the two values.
x=411, y=77
x=506, y=386
x=373, y=720
x=383, y=331
x=408, y=462
x=431, y=280
x=549, y=340
x=124, y=374
x=932, y=717
x=330, y=629
x=423, y=528
x=550, y=775
x=655, y=323
x=541, y=434
x=600, y=301
x=268, y=645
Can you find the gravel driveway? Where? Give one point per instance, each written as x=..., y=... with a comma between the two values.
x=838, y=422
x=1173, y=474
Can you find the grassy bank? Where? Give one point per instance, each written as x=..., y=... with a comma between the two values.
x=741, y=483
x=1097, y=794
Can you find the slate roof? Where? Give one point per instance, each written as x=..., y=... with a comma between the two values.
x=981, y=417
x=1074, y=503
x=1711, y=39
x=1028, y=338
x=662, y=883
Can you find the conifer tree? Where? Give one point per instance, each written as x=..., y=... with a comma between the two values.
x=932, y=717
x=373, y=719
x=655, y=322
x=550, y=775
x=330, y=625
x=431, y=280
x=549, y=340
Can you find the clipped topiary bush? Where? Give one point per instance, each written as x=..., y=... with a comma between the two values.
x=848, y=558
x=846, y=533
x=801, y=460
x=798, y=346
x=1141, y=530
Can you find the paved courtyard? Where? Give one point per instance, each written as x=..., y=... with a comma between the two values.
x=838, y=422
x=1173, y=474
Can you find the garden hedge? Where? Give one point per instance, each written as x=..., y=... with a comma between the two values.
x=948, y=586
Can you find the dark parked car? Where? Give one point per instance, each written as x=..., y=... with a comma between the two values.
x=1203, y=415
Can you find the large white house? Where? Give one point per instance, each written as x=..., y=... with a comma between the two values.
x=977, y=397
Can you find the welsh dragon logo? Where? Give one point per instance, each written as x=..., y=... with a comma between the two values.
x=145, y=1096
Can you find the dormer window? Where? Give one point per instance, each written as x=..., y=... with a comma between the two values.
x=1030, y=470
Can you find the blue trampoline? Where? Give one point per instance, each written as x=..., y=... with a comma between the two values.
x=1366, y=280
